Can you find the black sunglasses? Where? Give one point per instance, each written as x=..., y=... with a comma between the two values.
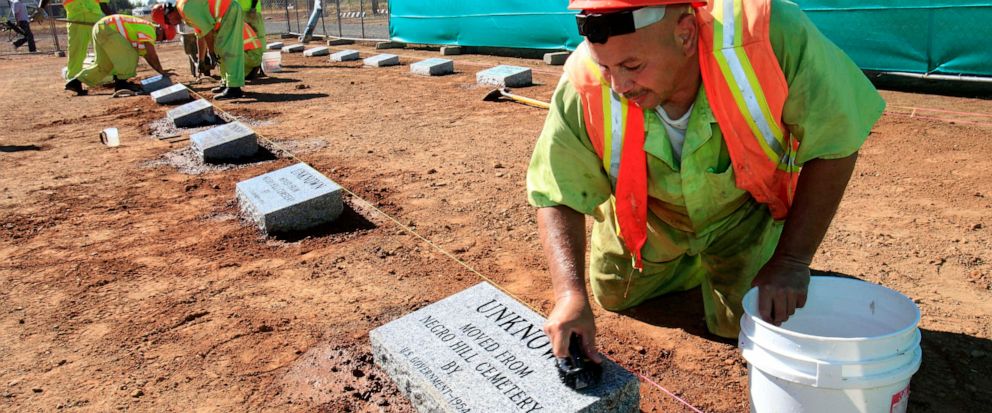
x=599, y=27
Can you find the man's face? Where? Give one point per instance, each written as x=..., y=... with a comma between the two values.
x=174, y=18
x=645, y=66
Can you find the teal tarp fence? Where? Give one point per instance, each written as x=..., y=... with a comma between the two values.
x=533, y=24
x=921, y=36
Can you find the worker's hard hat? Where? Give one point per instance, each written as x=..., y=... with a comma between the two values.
x=602, y=5
x=158, y=17
x=601, y=19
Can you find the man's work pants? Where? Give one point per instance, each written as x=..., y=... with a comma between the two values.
x=723, y=263
x=230, y=46
x=27, y=37
x=114, y=56
x=80, y=35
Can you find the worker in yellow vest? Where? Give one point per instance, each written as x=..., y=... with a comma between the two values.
x=119, y=40
x=81, y=15
x=682, y=128
x=253, y=17
x=219, y=27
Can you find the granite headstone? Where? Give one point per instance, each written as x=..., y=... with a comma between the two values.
x=154, y=83
x=382, y=60
x=504, y=75
x=293, y=48
x=433, y=67
x=172, y=94
x=451, y=50
x=274, y=46
x=317, y=51
x=294, y=198
x=345, y=56
x=556, y=58
x=482, y=351
x=196, y=113
x=225, y=142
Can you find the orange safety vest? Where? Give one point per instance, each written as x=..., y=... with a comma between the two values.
x=137, y=31
x=218, y=8
x=252, y=41
x=746, y=90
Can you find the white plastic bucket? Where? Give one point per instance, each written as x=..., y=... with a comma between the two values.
x=852, y=348
x=110, y=137
x=272, y=62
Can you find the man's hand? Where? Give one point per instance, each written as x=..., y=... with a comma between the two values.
x=572, y=314
x=782, y=285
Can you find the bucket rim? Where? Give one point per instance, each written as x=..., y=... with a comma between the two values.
x=756, y=318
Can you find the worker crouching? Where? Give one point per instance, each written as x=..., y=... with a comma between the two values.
x=118, y=41
x=219, y=27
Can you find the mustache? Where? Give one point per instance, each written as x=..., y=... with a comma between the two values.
x=634, y=94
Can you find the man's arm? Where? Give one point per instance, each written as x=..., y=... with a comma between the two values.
x=782, y=283
x=563, y=234
x=151, y=56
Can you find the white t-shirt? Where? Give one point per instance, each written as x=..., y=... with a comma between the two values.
x=676, y=129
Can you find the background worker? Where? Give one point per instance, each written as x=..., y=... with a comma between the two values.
x=23, y=21
x=681, y=129
x=254, y=48
x=118, y=40
x=253, y=17
x=219, y=27
x=81, y=15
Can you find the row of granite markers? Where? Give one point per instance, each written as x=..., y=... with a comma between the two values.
x=297, y=197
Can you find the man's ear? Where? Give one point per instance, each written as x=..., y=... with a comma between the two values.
x=687, y=34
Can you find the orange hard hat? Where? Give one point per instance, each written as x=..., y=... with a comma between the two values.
x=158, y=17
x=624, y=4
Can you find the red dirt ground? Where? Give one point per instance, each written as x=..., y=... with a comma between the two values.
x=128, y=281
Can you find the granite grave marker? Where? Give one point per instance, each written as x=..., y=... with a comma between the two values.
x=345, y=56
x=317, y=51
x=382, y=60
x=504, y=75
x=196, y=113
x=225, y=142
x=274, y=46
x=172, y=94
x=482, y=351
x=433, y=67
x=293, y=48
x=294, y=198
x=154, y=83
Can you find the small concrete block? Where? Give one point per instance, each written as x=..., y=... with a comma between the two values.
x=382, y=60
x=482, y=351
x=294, y=198
x=317, y=51
x=504, y=75
x=154, y=83
x=390, y=45
x=274, y=46
x=172, y=94
x=556, y=58
x=339, y=42
x=294, y=48
x=433, y=67
x=230, y=141
x=451, y=50
x=345, y=56
x=193, y=114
